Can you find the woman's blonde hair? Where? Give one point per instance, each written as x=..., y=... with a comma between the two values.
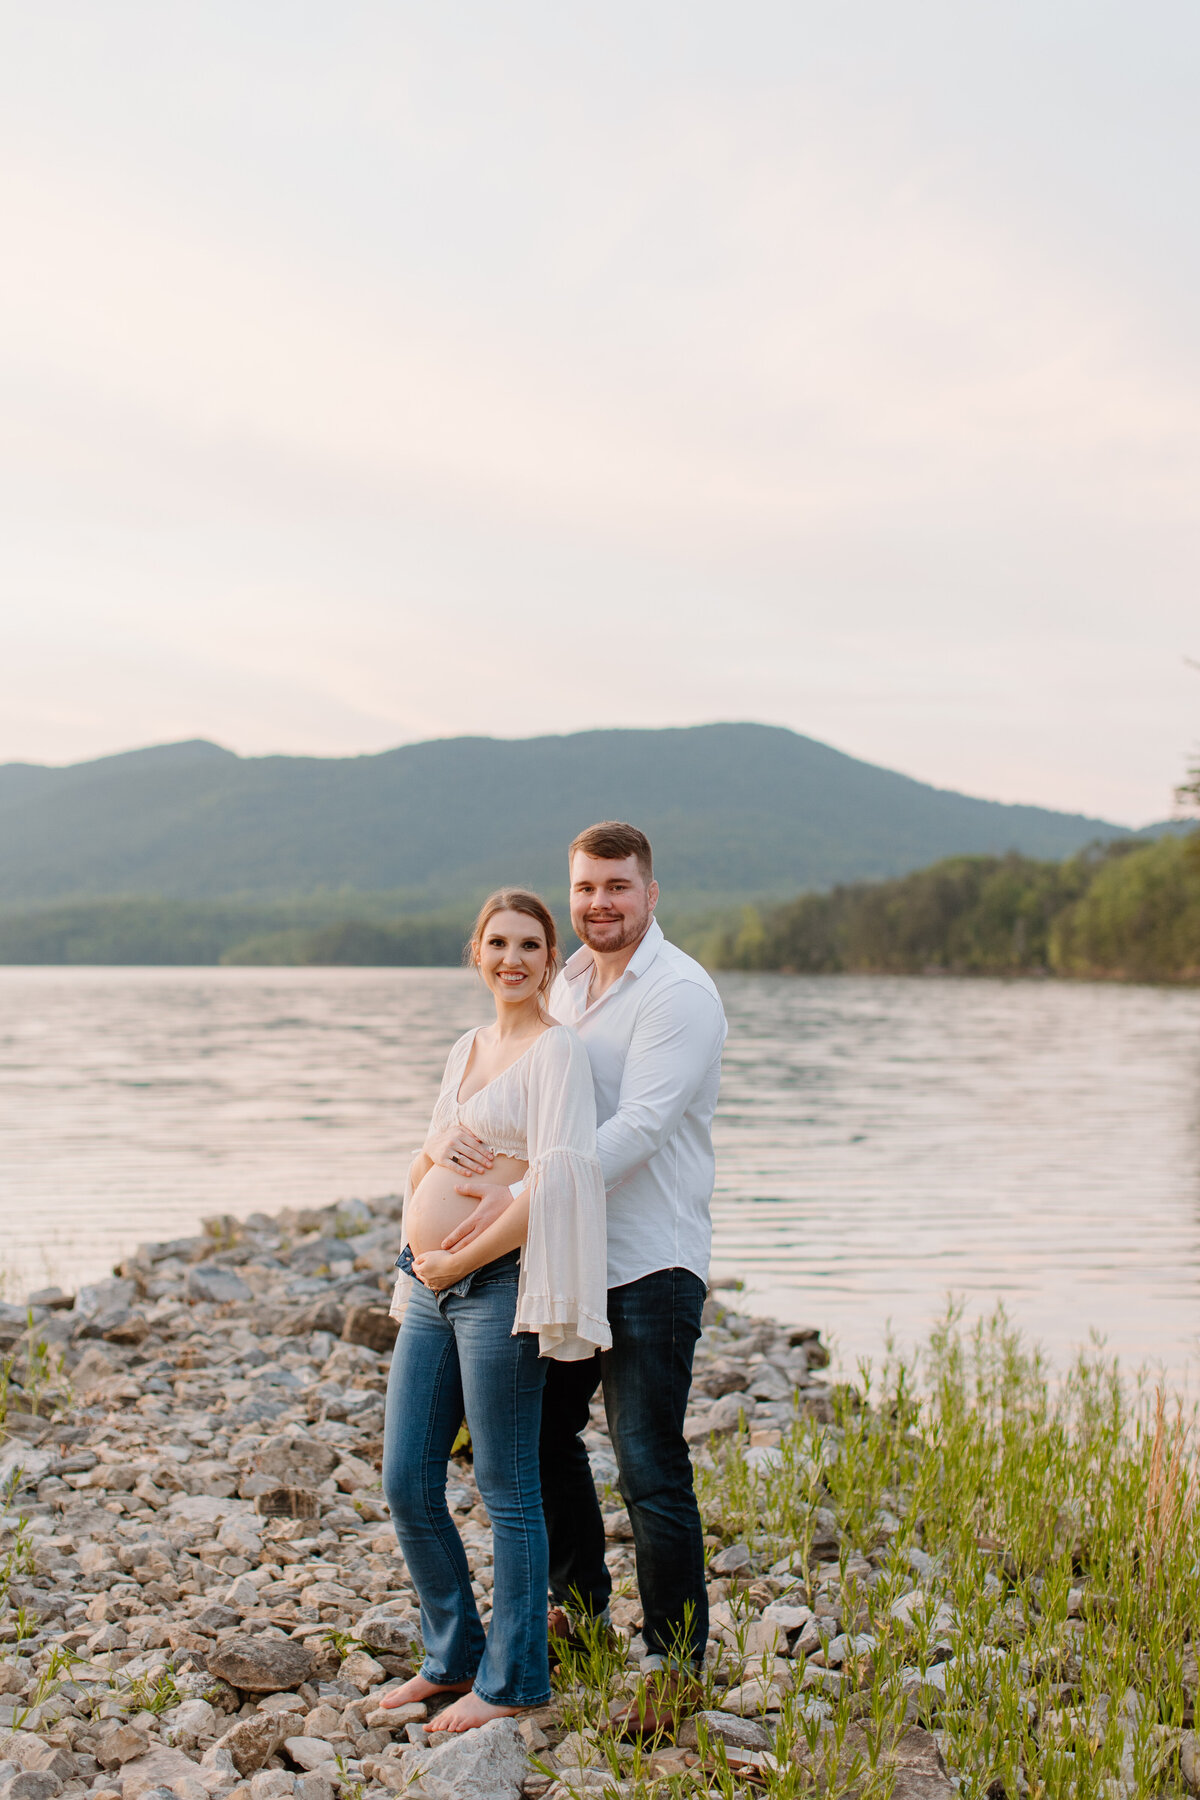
x=518, y=900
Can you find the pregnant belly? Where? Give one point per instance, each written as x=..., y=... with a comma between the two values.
x=435, y=1209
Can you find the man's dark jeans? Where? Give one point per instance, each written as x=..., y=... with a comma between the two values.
x=647, y=1375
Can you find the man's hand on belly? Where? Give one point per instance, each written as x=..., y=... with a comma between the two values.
x=493, y=1201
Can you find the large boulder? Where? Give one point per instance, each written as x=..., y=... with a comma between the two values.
x=262, y=1665
x=490, y=1763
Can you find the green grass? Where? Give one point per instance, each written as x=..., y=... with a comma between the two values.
x=1061, y=1514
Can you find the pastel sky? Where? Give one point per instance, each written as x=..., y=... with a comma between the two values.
x=373, y=371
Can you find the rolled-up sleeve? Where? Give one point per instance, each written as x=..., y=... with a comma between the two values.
x=675, y=1041
x=563, y=1293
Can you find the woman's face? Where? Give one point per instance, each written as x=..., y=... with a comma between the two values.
x=513, y=956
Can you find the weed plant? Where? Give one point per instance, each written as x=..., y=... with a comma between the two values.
x=1051, y=1527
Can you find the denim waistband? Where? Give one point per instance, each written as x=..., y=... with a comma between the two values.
x=509, y=1261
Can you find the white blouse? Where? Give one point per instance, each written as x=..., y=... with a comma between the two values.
x=542, y=1109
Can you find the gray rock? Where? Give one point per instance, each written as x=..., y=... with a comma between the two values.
x=160, y=1768
x=124, y=1743
x=825, y=1532
x=387, y=1634
x=769, y=1383
x=1189, y=1759
x=323, y=1315
x=185, y=1725
x=756, y=1695
x=488, y=1764
x=269, y=1784
x=216, y=1618
x=920, y=1769
x=31, y=1784
x=258, y=1410
x=371, y=1325
x=241, y=1594
x=313, y=1787
x=207, y=1281
x=721, y=1377
x=250, y=1742
x=788, y=1618
x=747, y=1734
x=309, y=1753
x=242, y=1535
x=296, y=1462
x=218, y=1761
x=725, y=1414
x=262, y=1665
x=24, y=1462
x=361, y=1671
x=29, y=1751
x=104, y=1296
x=733, y=1558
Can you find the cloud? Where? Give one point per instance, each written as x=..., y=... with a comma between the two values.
x=736, y=386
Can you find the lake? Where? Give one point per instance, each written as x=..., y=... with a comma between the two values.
x=880, y=1142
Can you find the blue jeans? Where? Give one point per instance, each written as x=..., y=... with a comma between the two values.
x=456, y=1355
x=647, y=1376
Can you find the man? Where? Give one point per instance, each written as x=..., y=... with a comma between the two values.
x=653, y=1026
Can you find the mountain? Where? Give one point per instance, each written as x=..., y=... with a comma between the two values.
x=732, y=810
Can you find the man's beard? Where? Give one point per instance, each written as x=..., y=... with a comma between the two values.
x=603, y=935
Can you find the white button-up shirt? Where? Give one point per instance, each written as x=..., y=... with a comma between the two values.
x=654, y=1041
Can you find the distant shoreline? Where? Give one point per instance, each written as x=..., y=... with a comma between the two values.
x=1124, y=911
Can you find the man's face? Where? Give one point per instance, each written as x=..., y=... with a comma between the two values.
x=611, y=904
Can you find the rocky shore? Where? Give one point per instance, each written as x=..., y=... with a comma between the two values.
x=203, y=1598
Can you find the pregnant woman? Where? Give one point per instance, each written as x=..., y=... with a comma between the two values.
x=477, y=1324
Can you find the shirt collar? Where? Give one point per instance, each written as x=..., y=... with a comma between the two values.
x=581, y=962
x=647, y=950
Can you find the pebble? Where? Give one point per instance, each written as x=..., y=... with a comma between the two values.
x=204, y=1522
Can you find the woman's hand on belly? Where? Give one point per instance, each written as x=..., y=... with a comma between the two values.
x=458, y=1148
x=437, y=1208
x=438, y=1269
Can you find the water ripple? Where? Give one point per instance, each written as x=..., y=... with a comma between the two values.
x=880, y=1142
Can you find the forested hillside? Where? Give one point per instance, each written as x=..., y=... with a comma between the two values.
x=1124, y=911
x=734, y=812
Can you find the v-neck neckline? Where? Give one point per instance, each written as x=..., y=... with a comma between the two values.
x=458, y=1095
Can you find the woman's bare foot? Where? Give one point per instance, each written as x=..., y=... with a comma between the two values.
x=420, y=1689
x=468, y=1713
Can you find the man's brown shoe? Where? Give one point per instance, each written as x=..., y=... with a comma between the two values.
x=566, y=1635
x=560, y=1633
x=668, y=1696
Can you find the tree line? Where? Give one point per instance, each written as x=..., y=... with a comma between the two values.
x=1124, y=911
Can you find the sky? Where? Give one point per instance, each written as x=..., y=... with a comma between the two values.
x=377, y=372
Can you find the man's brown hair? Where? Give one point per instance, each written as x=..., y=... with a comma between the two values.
x=612, y=841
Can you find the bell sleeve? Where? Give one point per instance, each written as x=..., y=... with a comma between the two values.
x=563, y=1292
